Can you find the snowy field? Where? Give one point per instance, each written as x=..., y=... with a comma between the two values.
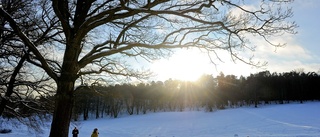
x=288, y=120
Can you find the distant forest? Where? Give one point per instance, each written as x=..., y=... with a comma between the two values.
x=210, y=93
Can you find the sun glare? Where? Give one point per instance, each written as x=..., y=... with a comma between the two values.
x=189, y=65
x=186, y=65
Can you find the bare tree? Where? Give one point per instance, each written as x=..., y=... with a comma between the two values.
x=23, y=90
x=98, y=37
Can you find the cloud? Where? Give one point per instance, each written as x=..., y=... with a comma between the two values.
x=290, y=51
x=292, y=56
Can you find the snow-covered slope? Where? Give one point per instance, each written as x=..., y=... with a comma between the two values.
x=287, y=120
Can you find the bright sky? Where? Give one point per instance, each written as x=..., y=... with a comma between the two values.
x=301, y=52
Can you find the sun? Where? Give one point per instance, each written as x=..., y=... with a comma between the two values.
x=190, y=65
x=187, y=65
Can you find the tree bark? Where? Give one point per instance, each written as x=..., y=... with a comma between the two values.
x=63, y=110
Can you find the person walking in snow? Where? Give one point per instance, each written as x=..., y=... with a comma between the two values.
x=95, y=133
x=75, y=132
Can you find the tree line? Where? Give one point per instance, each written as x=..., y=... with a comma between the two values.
x=207, y=92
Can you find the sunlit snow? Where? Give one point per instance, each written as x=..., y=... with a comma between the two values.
x=286, y=120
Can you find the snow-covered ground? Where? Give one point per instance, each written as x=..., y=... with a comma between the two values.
x=287, y=120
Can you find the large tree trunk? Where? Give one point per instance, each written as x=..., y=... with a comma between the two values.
x=63, y=110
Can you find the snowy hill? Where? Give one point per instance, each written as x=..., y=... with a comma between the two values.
x=287, y=120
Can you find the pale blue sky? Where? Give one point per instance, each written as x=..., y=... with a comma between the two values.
x=301, y=52
x=307, y=16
